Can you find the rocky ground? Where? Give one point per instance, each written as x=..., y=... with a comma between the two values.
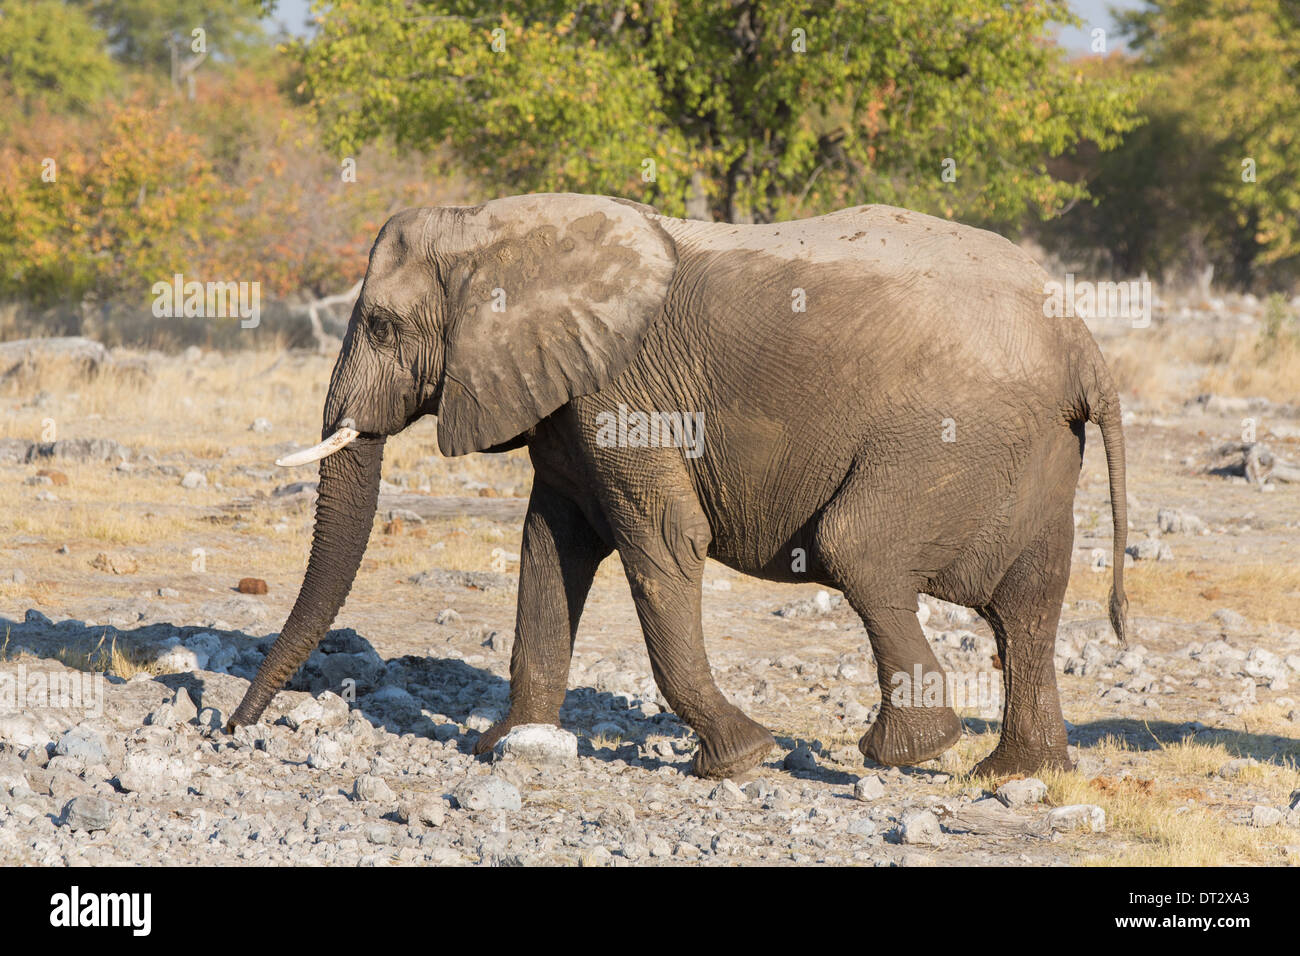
x=150, y=552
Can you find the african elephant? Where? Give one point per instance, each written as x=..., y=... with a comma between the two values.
x=873, y=400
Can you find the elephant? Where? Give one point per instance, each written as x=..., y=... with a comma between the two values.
x=875, y=400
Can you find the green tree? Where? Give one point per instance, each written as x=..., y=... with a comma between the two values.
x=1227, y=72
x=97, y=211
x=748, y=110
x=1154, y=203
x=51, y=56
x=144, y=32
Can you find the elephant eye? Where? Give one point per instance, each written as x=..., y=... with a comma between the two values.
x=381, y=329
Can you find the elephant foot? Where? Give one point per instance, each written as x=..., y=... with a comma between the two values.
x=905, y=736
x=732, y=749
x=493, y=734
x=1009, y=759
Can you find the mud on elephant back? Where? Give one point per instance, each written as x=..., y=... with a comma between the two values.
x=872, y=400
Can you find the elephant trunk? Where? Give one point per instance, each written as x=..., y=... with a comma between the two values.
x=345, y=509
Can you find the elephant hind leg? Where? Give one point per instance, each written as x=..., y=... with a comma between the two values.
x=916, y=720
x=1024, y=612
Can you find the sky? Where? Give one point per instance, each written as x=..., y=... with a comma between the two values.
x=1095, y=13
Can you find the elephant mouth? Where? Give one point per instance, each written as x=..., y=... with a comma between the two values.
x=341, y=438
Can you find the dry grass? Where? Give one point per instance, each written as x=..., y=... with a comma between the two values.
x=1168, y=813
x=1268, y=594
x=121, y=662
x=201, y=413
x=1265, y=361
x=1272, y=718
x=1135, y=374
x=97, y=524
x=110, y=659
x=194, y=408
x=452, y=543
x=197, y=415
x=413, y=457
x=1256, y=360
x=1168, y=810
x=28, y=594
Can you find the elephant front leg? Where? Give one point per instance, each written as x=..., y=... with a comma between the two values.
x=665, y=572
x=557, y=563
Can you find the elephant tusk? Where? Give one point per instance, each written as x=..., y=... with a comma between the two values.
x=326, y=448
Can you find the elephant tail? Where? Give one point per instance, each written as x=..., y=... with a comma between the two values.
x=1103, y=410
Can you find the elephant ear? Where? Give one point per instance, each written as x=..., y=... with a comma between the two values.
x=549, y=298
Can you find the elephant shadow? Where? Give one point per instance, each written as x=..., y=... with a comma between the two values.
x=608, y=726
x=813, y=770
x=427, y=696
x=1145, y=735
x=439, y=696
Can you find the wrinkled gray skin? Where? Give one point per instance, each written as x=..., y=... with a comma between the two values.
x=824, y=437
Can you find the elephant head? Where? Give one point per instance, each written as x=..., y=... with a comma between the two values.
x=490, y=317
